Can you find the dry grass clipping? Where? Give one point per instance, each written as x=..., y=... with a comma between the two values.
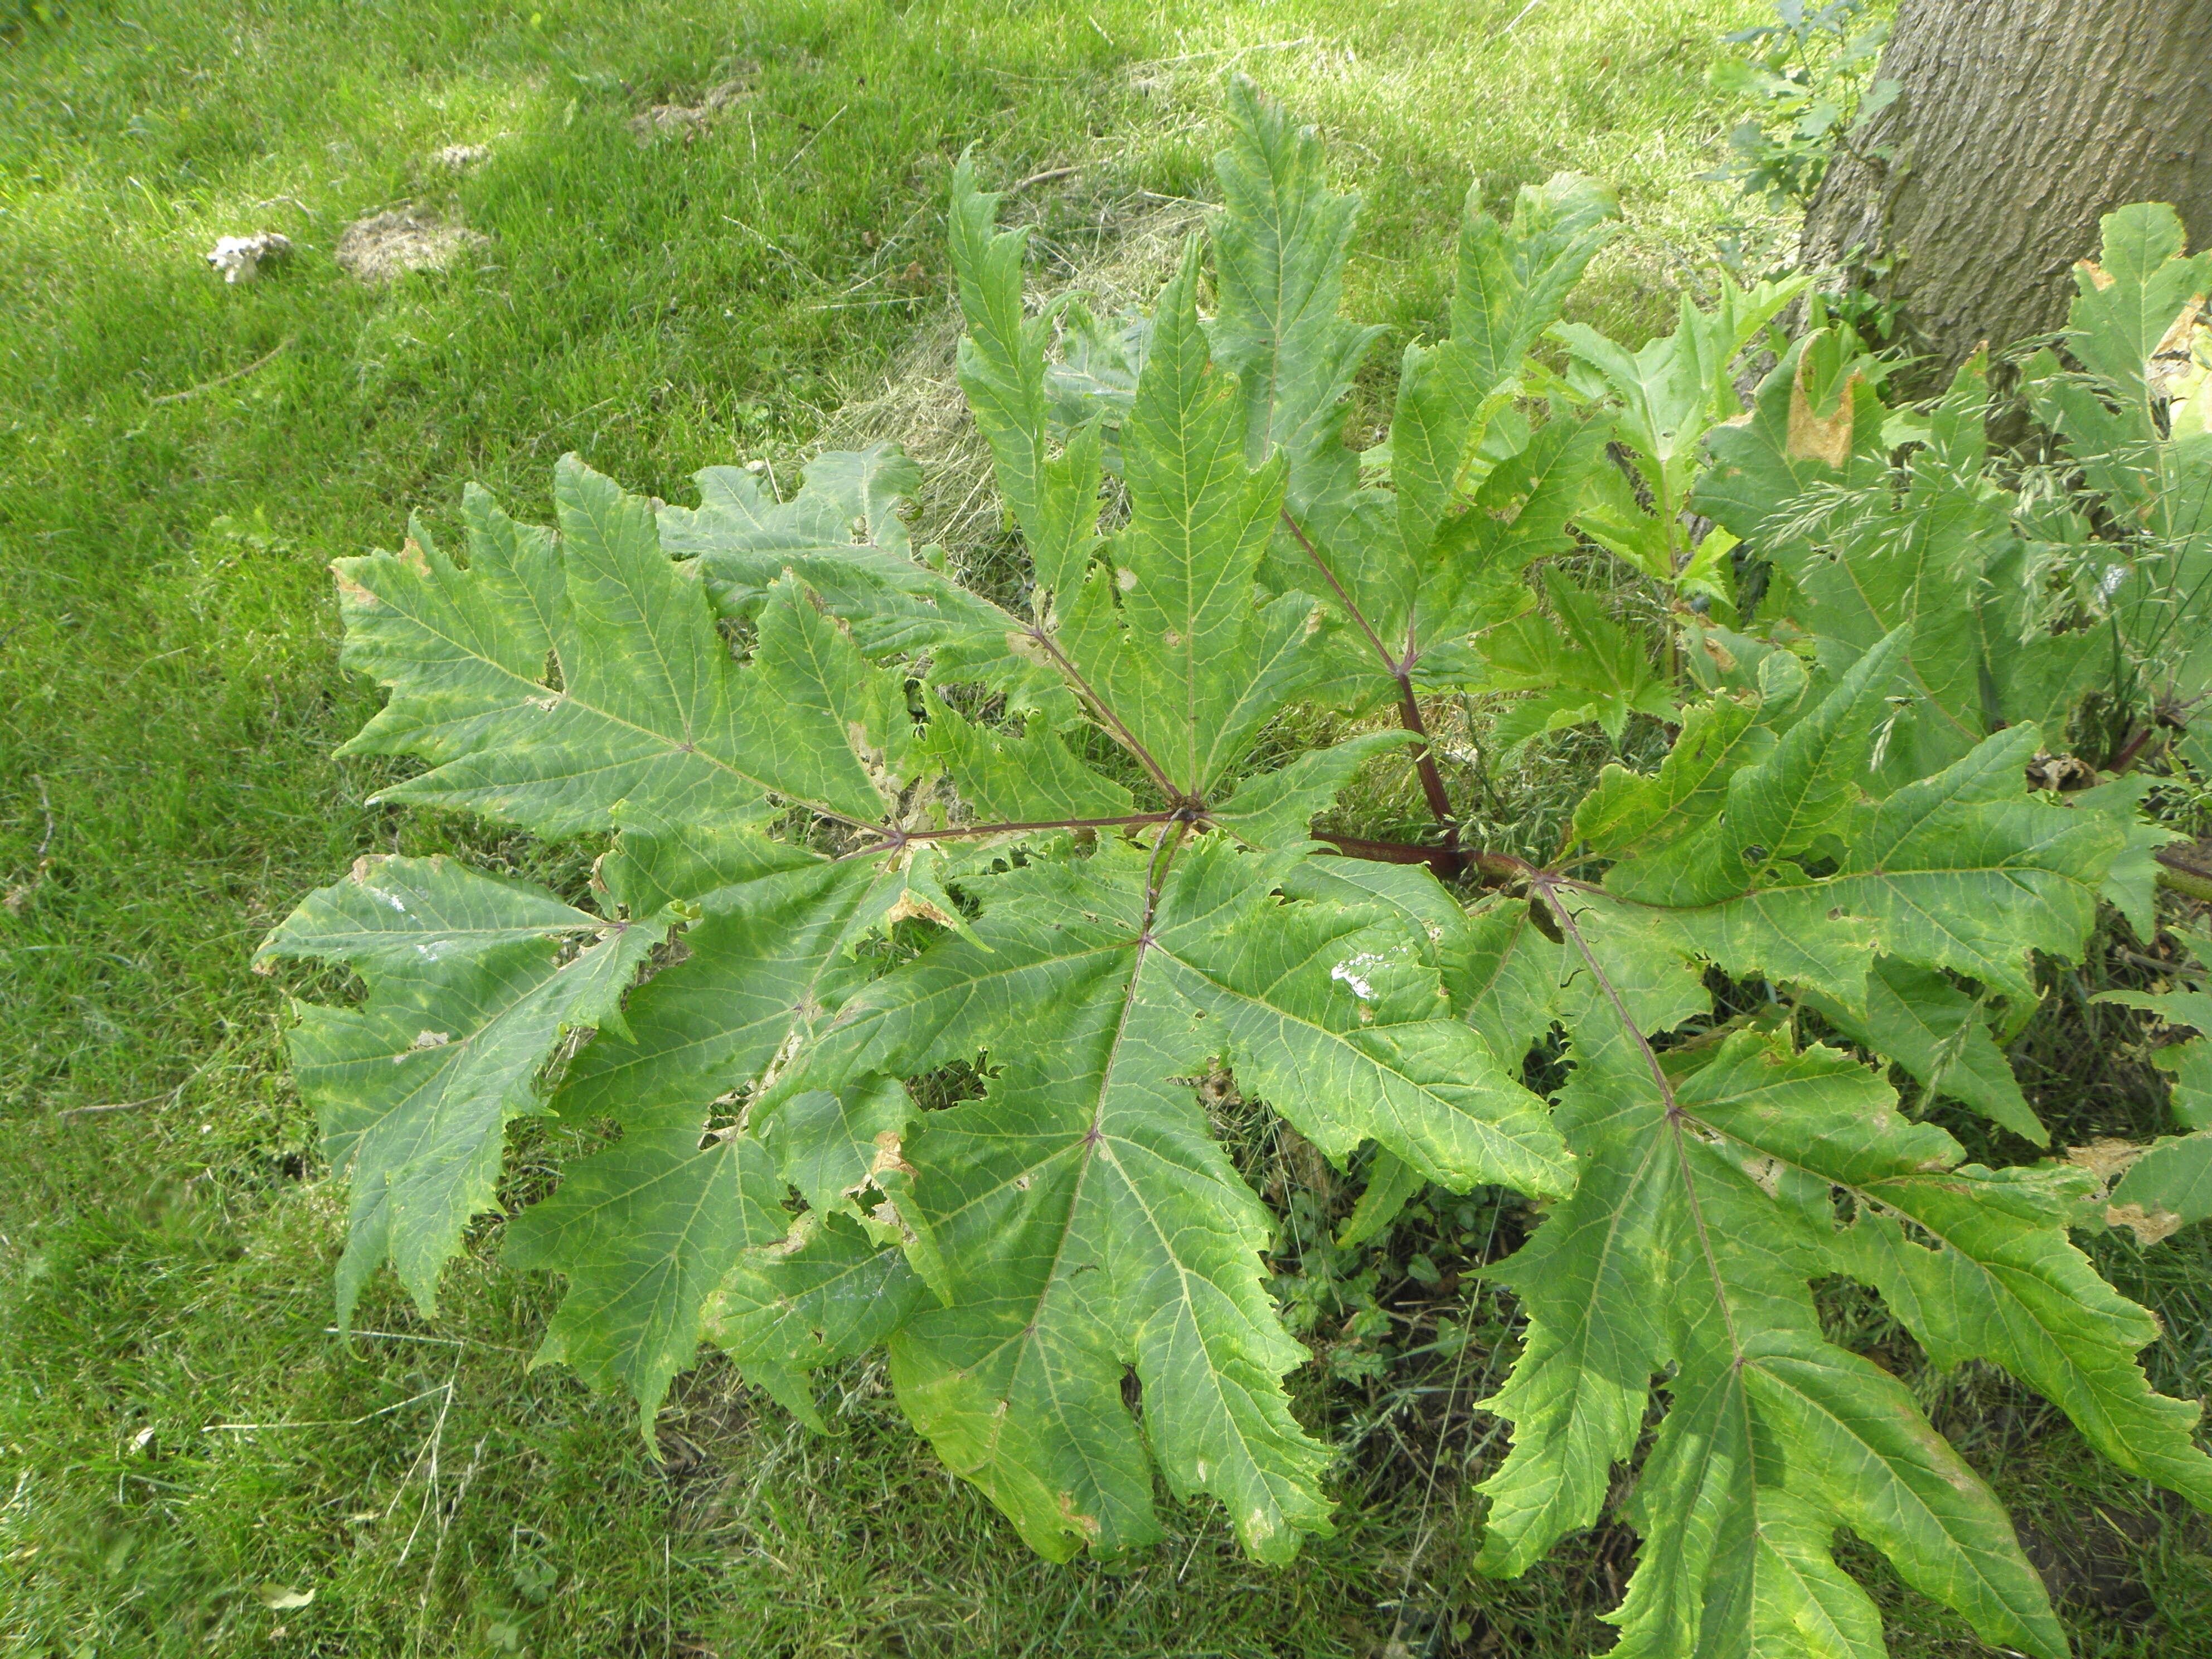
x=1117, y=259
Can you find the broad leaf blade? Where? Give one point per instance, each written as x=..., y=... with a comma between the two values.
x=1198, y=520
x=1090, y=1223
x=1705, y=1199
x=639, y=705
x=1280, y=246
x=1592, y=1281
x=1319, y=1006
x=469, y=997
x=822, y=1293
x=1938, y=1033
x=1997, y=1278
x=1961, y=871
x=645, y=1231
x=765, y=965
x=842, y=538
x=1079, y=1220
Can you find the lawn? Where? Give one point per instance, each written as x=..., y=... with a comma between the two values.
x=188, y=1453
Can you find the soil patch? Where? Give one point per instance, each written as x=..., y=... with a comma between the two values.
x=389, y=245
x=687, y=121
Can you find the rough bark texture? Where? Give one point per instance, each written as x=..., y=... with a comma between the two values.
x=2019, y=123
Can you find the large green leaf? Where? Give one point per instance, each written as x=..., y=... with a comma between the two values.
x=1794, y=873
x=1709, y=1176
x=1085, y=1223
x=1941, y=1036
x=1815, y=422
x=1703, y=1213
x=1162, y=636
x=1513, y=279
x=645, y=1231
x=843, y=536
x=551, y=681
x=2127, y=305
x=1097, y=1141
x=901, y=1020
x=822, y=1293
x=1279, y=245
x=1977, y=1264
x=474, y=984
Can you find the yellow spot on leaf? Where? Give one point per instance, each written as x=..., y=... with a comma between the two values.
x=909, y=905
x=2149, y=1225
x=1086, y=1524
x=1814, y=436
x=2106, y=1159
x=888, y=1160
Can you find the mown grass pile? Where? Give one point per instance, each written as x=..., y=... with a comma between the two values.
x=707, y=237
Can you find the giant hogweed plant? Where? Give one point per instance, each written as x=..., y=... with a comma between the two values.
x=864, y=827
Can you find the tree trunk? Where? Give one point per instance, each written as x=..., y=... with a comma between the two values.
x=2019, y=123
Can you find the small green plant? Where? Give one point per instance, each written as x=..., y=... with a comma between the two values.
x=1810, y=75
x=927, y=935
x=2168, y=1185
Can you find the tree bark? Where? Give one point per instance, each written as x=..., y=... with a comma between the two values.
x=2019, y=123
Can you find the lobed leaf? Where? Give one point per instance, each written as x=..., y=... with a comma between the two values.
x=552, y=683
x=1279, y=250
x=645, y=1231
x=471, y=992
x=1079, y=1220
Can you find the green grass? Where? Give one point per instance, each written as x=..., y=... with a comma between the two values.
x=169, y=698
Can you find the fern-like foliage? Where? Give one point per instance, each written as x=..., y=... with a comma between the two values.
x=861, y=827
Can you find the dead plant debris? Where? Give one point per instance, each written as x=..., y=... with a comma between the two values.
x=240, y=258
x=1122, y=253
